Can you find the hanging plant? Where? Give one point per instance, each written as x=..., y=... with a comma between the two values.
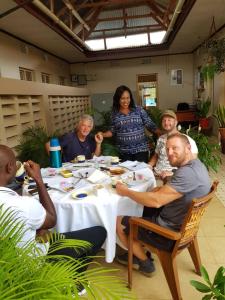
x=216, y=50
x=208, y=71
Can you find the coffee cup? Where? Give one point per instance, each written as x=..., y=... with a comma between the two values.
x=114, y=181
x=20, y=173
x=114, y=160
x=81, y=158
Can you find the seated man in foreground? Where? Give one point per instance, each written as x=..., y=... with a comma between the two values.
x=159, y=160
x=79, y=141
x=38, y=216
x=169, y=202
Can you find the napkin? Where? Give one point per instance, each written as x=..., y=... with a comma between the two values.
x=97, y=176
x=134, y=165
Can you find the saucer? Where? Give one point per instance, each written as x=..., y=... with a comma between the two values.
x=79, y=195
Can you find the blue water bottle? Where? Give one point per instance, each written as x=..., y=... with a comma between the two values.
x=55, y=153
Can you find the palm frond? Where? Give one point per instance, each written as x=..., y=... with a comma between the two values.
x=28, y=277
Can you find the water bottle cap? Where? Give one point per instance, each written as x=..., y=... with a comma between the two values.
x=54, y=142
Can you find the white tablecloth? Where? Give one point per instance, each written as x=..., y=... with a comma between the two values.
x=101, y=209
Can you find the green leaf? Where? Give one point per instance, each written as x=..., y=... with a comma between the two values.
x=219, y=277
x=28, y=277
x=205, y=274
x=207, y=297
x=201, y=287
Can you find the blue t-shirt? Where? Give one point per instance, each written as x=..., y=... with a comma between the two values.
x=72, y=146
x=129, y=130
x=192, y=180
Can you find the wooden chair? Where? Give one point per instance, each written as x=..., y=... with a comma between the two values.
x=185, y=238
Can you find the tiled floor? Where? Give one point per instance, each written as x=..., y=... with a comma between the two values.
x=211, y=239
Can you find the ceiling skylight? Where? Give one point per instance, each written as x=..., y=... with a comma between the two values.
x=157, y=37
x=134, y=40
x=96, y=45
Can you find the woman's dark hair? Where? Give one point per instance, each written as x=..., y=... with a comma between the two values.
x=118, y=94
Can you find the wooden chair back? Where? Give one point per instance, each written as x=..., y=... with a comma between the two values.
x=185, y=238
x=191, y=223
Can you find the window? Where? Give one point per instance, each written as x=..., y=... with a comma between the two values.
x=45, y=78
x=26, y=74
x=61, y=80
x=147, y=89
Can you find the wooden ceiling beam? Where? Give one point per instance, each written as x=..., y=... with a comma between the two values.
x=62, y=11
x=93, y=22
x=169, y=10
x=157, y=14
x=159, y=22
x=71, y=8
x=85, y=16
x=108, y=2
x=155, y=8
x=52, y=5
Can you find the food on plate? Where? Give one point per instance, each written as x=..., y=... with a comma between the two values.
x=116, y=171
x=66, y=173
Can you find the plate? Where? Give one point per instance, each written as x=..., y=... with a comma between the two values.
x=116, y=171
x=79, y=195
x=83, y=173
x=131, y=182
x=128, y=179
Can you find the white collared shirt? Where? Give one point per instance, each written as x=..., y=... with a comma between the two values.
x=29, y=210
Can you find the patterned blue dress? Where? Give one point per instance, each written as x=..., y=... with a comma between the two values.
x=129, y=130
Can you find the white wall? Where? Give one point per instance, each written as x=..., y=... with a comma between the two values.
x=109, y=75
x=15, y=54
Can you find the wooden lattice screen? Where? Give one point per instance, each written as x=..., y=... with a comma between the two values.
x=16, y=114
x=66, y=110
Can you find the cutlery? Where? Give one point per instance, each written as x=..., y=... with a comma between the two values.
x=104, y=169
x=134, y=176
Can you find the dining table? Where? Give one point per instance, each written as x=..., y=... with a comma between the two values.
x=87, y=197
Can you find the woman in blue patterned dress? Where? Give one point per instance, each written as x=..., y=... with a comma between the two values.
x=128, y=123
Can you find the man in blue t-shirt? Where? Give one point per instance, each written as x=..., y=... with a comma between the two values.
x=80, y=142
x=167, y=204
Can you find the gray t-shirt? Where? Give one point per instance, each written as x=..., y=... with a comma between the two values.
x=192, y=180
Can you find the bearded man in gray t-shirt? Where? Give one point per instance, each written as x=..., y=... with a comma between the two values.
x=168, y=204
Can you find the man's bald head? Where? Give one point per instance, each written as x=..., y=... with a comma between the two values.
x=7, y=164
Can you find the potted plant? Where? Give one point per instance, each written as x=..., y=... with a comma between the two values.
x=220, y=117
x=32, y=145
x=208, y=71
x=216, y=48
x=207, y=151
x=29, y=277
x=203, y=107
x=213, y=289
